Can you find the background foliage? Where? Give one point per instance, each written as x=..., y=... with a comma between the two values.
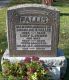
x=14, y=2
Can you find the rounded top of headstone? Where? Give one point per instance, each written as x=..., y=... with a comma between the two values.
x=33, y=5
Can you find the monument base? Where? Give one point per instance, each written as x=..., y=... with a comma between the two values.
x=58, y=64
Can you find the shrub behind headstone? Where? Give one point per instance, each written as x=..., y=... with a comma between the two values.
x=14, y=2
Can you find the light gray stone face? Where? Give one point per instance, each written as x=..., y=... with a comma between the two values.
x=33, y=30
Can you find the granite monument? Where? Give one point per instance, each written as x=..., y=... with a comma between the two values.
x=33, y=30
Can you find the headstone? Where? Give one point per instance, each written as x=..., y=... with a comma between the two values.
x=33, y=30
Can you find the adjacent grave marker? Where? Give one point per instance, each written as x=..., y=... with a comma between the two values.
x=33, y=30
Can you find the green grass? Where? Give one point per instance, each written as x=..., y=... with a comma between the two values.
x=64, y=25
x=3, y=42
x=2, y=20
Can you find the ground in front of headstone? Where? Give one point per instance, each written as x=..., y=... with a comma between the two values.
x=44, y=67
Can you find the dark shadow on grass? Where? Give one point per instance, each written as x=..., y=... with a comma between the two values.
x=66, y=77
x=0, y=62
x=64, y=14
x=61, y=3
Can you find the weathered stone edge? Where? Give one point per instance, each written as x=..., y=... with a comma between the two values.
x=33, y=5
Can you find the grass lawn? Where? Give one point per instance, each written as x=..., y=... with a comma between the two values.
x=64, y=30
x=3, y=42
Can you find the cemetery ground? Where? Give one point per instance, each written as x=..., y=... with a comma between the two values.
x=64, y=31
